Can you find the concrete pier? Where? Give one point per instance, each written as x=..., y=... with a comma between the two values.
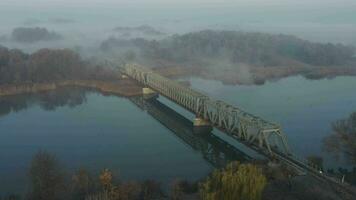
x=146, y=91
x=202, y=126
x=201, y=122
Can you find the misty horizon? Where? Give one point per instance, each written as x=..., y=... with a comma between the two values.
x=318, y=21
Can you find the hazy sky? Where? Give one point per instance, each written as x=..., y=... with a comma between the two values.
x=321, y=3
x=319, y=20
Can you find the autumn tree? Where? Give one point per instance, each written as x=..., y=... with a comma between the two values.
x=82, y=184
x=106, y=181
x=235, y=182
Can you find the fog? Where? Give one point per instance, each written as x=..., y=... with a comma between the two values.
x=85, y=23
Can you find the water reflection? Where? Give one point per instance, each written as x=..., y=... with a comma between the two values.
x=63, y=97
x=102, y=132
x=66, y=96
x=214, y=150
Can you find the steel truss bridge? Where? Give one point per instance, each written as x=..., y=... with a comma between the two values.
x=259, y=134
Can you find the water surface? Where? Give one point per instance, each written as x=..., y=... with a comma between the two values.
x=305, y=108
x=87, y=129
x=150, y=140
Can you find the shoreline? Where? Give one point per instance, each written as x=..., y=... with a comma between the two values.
x=255, y=75
x=122, y=87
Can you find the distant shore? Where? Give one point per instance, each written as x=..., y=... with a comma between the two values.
x=128, y=87
x=255, y=75
x=122, y=87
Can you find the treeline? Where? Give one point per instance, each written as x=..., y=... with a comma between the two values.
x=258, y=49
x=30, y=35
x=46, y=65
x=49, y=180
x=342, y=141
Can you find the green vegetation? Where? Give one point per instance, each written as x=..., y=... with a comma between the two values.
x=235, y=182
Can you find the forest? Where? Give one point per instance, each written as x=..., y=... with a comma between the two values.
x=257, y=49
x=46, y=65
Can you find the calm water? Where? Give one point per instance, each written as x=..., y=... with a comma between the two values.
x=149, y=140
x=304, y=108
x=87, y=129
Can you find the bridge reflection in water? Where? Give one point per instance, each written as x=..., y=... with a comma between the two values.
x=213, y=149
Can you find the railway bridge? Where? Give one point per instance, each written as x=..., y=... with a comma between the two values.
x=258, y=134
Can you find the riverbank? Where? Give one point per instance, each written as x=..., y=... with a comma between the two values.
x=122, y=87
x=250, y=75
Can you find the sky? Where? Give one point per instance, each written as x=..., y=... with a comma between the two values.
x=316, y=20
x=320, y=3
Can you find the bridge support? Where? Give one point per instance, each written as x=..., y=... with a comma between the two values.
x=202, y=126
x=148, y=91
x=198, y=121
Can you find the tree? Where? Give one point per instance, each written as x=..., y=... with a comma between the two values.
x=47, y=178
x=151, y=190
x=343, y=139
x=82, y=184
x=176, y=190
x=235, y=182
x=106, y=181
x=315, y=161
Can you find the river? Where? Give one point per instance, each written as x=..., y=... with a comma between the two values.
x=88, y=129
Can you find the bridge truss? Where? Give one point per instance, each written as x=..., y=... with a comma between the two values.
x=263, y=135
x=213, y=149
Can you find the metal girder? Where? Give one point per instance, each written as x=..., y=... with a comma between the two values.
x=246, y=127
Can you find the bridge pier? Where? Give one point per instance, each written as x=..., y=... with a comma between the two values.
x=202, y=126
x=146, y=91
